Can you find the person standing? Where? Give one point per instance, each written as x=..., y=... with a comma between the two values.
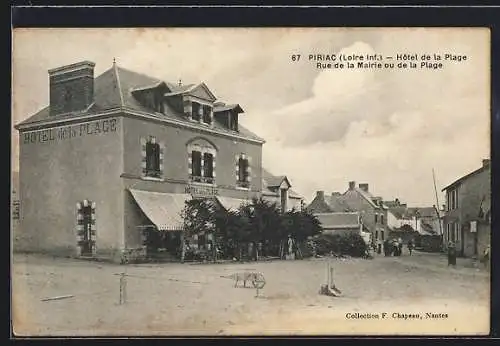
x=452, y=254
x=410, y=246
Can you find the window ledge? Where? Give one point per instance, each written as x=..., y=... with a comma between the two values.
x=201, y=184
x=242, y=188
x=152, y=179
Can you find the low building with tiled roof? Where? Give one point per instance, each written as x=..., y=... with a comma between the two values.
x=114, y=154
x=336, y=223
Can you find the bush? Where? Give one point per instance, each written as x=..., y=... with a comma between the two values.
x=350, y=244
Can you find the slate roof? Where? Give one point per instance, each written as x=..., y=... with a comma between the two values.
x=399, y=212
x=366, y=195
x=113, y=89
x=221, y=108
x=333, y=203
x=423, y=212
x=271, y=182
x=458, y=181
x=336, y=203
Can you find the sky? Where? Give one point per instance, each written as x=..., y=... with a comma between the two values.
x=323, y=127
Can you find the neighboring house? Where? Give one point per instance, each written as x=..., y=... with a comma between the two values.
x=341, y=223
x=113, y=154
x=468, y=212
x=277, y=189
x=328, y=204
x=335, y=215
x=372, y=209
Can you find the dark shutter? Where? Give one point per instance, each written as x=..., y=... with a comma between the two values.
x=196, y=161
x=208, y=162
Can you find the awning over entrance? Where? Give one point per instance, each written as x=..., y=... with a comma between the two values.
x=163, y=209
x=230, y=203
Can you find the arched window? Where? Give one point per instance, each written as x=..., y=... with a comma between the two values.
x=201, y=161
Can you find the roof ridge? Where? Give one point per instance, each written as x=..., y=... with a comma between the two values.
x=117, y=77
x=138, y=73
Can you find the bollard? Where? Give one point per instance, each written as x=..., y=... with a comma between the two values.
x=331, y=277
x=123, y=289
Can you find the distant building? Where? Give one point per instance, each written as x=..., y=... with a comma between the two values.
x=372, y=209
x=468, y=212
x=427, y=219
x=343, y=223
x=328, y=204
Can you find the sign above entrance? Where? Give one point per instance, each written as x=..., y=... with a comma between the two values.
x=201, y=190
x=63, y=133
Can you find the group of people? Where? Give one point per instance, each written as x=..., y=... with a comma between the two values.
x=394, y=247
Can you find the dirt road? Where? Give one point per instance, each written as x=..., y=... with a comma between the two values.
x=180, y=299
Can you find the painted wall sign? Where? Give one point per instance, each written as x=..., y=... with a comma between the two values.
x=196, y=190
x=63, y=133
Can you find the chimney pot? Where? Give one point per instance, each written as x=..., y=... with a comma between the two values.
x=352, y=185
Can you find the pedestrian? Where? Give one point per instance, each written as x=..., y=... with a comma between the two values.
x=452, y=254
x=387, y=248
x=400, y=246
x=410, y=246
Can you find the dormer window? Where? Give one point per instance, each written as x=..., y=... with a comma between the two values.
x=196, y=111
x=232, y=121
x=207, y=114
x=201, y=113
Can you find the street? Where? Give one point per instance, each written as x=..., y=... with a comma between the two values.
x=416, y=294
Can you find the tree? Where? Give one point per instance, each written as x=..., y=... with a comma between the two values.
x=231, y=229
x=264, y=221
x=300, y=225
x=199, y=217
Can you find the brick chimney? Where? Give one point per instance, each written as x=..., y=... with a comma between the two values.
x=320, y=195
x=486, y=162
x=352, y=185
x=364, y=187
x=71, y=87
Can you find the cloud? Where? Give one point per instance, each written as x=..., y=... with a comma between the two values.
x=389, y=128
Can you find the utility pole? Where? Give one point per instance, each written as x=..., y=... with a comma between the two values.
x=437, y=202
